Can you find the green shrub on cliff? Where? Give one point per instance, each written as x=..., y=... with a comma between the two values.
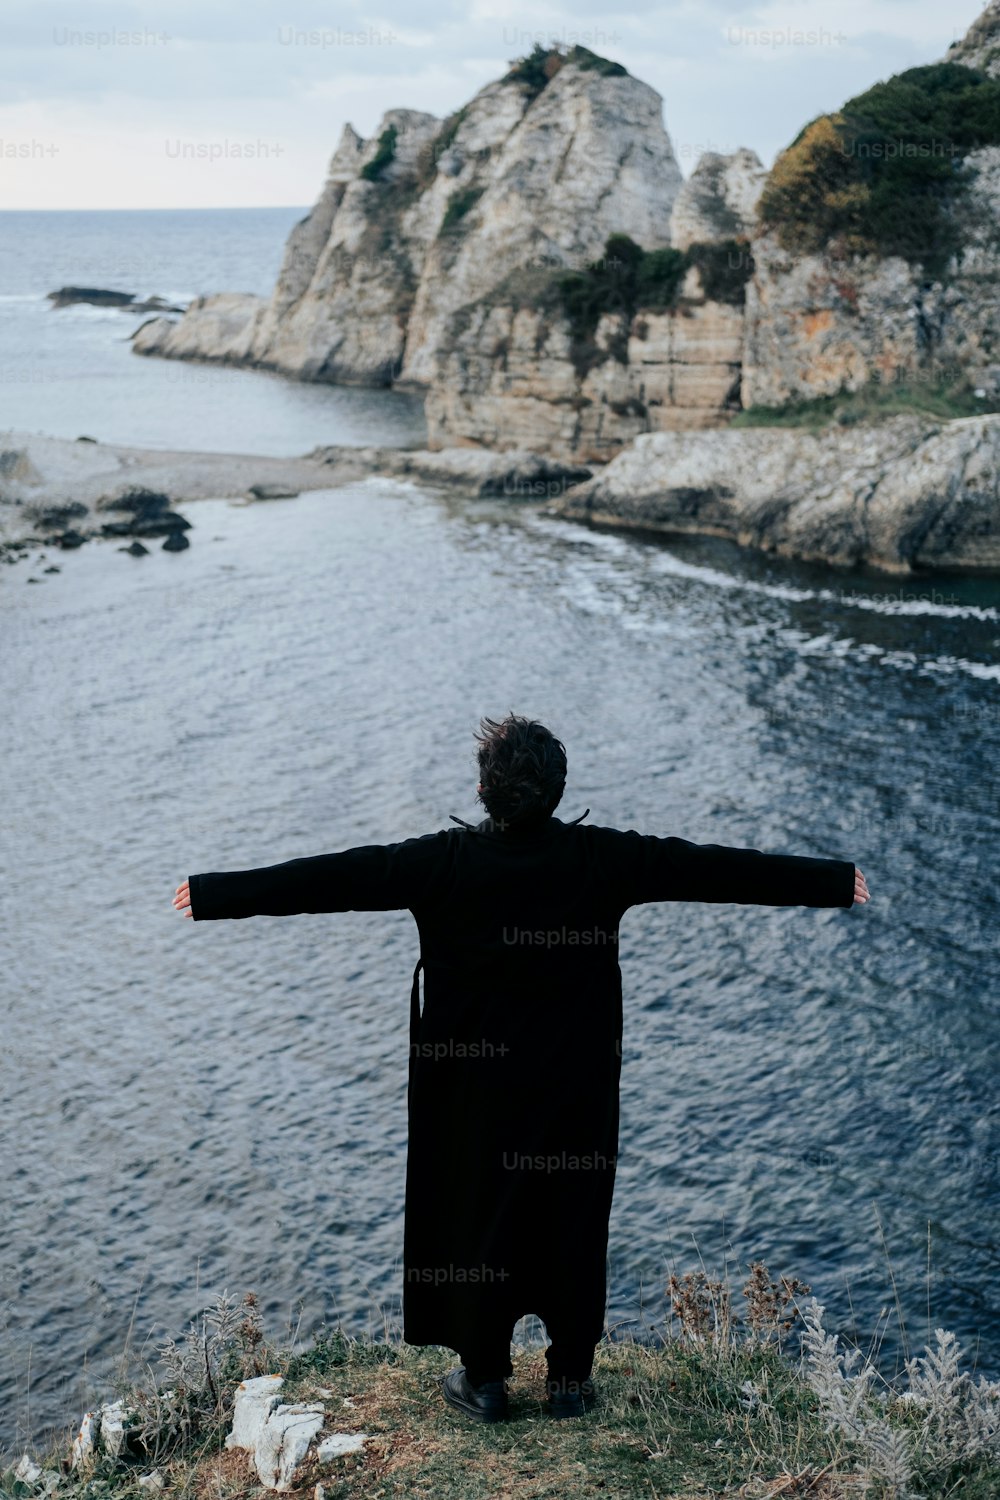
x=628, y=278
x=542, y=64
x=458, y=206
x=878, y=176
x=372, y=170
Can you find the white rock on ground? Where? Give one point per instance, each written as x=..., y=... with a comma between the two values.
x=255, y=1400
x=278, y=1435
x=284, y=1442
x=339, y=1443
x=113, y=1415
x=86, y=1439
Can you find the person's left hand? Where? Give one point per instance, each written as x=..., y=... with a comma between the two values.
x=182, y=900
x=861, y=891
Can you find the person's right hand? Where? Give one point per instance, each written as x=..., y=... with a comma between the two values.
x=861, y=891
x=182, y=899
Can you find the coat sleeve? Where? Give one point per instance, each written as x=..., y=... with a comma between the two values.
x=642, y=867
x=371, y=877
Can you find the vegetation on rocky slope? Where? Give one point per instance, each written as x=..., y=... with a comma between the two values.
x=717, y=1406
x=879, y=175
x=541, y=64
x=944, y=398
x=386, y=150
x=628, y=279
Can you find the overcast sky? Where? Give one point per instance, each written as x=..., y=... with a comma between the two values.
x=207, y=103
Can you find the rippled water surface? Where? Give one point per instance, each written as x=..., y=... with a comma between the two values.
x=70, y=371
x=190, y=1106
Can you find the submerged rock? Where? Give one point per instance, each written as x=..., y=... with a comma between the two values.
x=67, y=296
x=273, y=492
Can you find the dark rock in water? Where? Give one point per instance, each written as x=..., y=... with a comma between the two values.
x=83, y=438
x=53, y=568
x=163, y=525
x=273, y=492
x=69, y=538
x=67, y=296
x=34, y=580
x=97, y=296
x=150, y=516
x=140, y=501
x=135, y=550
x=176, y=542
x=49, y=517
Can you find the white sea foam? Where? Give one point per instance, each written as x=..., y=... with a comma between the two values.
x=878, y=602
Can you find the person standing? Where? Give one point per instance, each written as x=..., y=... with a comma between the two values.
x=515, y=1054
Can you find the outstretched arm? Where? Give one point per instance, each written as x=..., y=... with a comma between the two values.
x=645, y=868
x=371, y=877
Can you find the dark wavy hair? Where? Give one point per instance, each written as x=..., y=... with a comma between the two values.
x=522, y=769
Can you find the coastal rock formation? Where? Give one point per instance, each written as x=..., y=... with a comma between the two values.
x=510, y=377
x=429, y=215
x=220, y=327
x=478, y=472
x=819, y=323
x=903, y=495
x=980, y=46
x=816, y=324
x=719, y=200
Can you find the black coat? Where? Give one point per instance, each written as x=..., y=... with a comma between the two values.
x=515, y=1058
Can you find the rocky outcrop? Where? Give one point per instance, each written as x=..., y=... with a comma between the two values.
x=820, y=323
x=719, y=200
x=429, y=215
x=219, y=328
x=282, y=1437
x=510, y=376
x=816, y=324
x=980, y=46
x=518, y=475
x=69, y=296
x=903, y=496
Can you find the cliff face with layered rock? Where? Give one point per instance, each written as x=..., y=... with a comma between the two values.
x=509, y=370
x=508, y=375
x=816, y=324
x=820, y=322
x=430, y=214
x=719, y=200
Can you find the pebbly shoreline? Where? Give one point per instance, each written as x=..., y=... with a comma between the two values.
x=61, y=493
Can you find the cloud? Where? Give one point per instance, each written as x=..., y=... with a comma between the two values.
x=108, y=82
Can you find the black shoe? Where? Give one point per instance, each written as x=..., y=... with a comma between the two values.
x=486, y=1402
x=570, y=1398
